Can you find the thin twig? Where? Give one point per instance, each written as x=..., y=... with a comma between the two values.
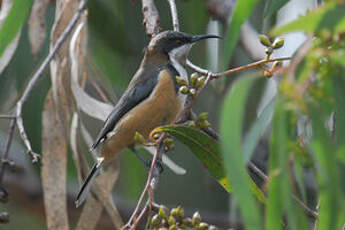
x=154, y=167
x=174, y=15
x=7, y=148
x=7, y=117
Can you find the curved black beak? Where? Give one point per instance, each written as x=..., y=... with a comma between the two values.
x=196, y=38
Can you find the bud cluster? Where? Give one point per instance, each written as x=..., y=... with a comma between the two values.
x=196, y=83
x=277, y=44
x=176, y=220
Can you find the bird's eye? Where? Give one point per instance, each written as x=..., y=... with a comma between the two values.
x=178, y=42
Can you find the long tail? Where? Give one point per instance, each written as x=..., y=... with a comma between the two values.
x=84, y=190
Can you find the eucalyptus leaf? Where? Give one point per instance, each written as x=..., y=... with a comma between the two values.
x=242, y=11
x=272, y=6
x=13, y=22
x=330, y=16
x=231, y=134
x=253, y=136
x=207, y=150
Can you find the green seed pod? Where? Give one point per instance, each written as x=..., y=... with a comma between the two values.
x=278, y=43
x=196, y=219
x=184, y=89
x=267, y=74
x=192, y=92
x=193, y=78
x=155, y=221
x=269, y=51
x=161, y=213
x=139, y=138
x=187, y=221
x=171, y=220
x=203, y=226
x=277, y=64
x=180, y=211
x=265, y=40
x=200, y=82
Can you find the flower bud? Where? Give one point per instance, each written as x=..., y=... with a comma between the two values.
x=203, y=116
x=155, y=221
x=265, y=40
x=192, y=92
x=173, y=227
x=203, y=226
x=184, y=89
x=278, y=43
x=171, y=220
x=200, y=82
x=161, y=213
x=187, y=222
x=277, y=64
x=196, y=219
x=269, y=51
x=181, y=81
x=267, y=74
x=180, y=211
x=139, y=138
x=193, y=78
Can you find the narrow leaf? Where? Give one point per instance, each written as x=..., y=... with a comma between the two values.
x=53, y=170
x=252, y=138
x=231, y=134
x=274, y=211
x=327, y=171
x=240, y=14
x=273, y=6
x=13, y=22
x=329, y=16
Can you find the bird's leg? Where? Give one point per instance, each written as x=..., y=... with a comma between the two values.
x=147, y=163
x=140, y=157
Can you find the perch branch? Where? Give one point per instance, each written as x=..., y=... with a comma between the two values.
x=151, y=17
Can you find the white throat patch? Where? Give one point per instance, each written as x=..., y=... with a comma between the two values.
x=176, y=55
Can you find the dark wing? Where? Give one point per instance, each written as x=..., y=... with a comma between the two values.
x=138, y=90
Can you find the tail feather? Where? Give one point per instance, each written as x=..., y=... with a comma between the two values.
x=84, y=190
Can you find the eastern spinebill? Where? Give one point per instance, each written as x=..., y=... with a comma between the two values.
x=152, y=99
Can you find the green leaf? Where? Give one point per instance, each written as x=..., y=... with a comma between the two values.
x=277, y=164
x=339, y=96
x=207, y=150
x=272, y=6
x=240, y=14
x=252, y=138
x=14, y=22
x=231, y=134
x=327, y=171
x=330, y=16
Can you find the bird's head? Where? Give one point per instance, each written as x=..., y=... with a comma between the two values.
x=175, y=45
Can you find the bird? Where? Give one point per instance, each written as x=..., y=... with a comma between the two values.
x=151, y=99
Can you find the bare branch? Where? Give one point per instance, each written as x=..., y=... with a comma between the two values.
x=7, y=149
x=151, y=17
x=174, y=15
